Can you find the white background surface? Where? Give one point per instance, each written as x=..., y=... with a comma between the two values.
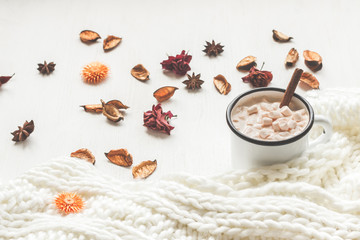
x=34, y=31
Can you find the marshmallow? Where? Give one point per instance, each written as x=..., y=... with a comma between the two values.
x=284, y=134
x=266, y=106
x=276, y=126
x=257, y=126
x=267, y=121
x=275, y=105
x=251, y=132
x=301, y=111
x=283, y=125
x=275, y=115
x=292, y=124
x=264, y=133
x=252, y=109
x=297, y=117
x=286, y=111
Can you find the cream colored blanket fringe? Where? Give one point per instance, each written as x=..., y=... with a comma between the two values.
x=316, y=196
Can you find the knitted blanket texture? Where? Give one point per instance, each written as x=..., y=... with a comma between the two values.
x=315, y=196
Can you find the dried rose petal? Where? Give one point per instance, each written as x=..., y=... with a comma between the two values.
x=313, y=60
x=292, y=57
x=164, y=93
x=258, y=78
x=5, y=79
x=179, y=64
x=310, y=80
x=280, y=37
x=144, y=169
x=120, y=157
x=222, y=84
x=85, y=154
x=156, y=119
x=139, y=72
x=111, y=42
x=111, y=112
x=246, y=63
x=89, y=36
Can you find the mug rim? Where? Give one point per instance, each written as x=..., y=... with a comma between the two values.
x=262, y=142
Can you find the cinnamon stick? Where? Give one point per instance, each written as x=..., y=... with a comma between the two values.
x=289, y=92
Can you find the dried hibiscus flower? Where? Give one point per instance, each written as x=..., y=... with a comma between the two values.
x=258, y=78
x=178, y=64
x=156, y=119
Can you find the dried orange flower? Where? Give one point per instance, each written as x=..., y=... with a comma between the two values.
x=69, y=202
x=95, y=72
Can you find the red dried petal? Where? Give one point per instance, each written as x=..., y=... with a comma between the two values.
x=157, y=120
x=179, y=64
x=258, y=78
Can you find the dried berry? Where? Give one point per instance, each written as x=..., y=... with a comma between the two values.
x=95, y=72
x=144, y=169
x=310, y=80
x=23, y=132
x=5, y=79
x=111, y=112
x=292, y=57
x=179, y=64
x=313, y=60
x=97, y=108
x=120, y=157
x=212, y=49
x=193, y=81
x=280, y=37
x=111, y=42
x=85, y=154
x=139, y=72
x=89, y=36
x=222, y=84
x=164, y=93
x=46, y=68
x=246, y=63
x=157, y=120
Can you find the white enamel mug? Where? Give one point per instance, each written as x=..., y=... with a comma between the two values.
x=247, y=151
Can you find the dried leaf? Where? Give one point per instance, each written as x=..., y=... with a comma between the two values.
x=89, y=36
x=111, y=112
x=144, y=169
x=5, y=79
x=140, y=73
x=85, y=154
x=222, y=84
x=292, y=57
x=93, y=108
x=246, y=63
x=118, y=104
x=313, y=60
x=111, y=42
x=280, y=37
x=310, y=80
x=164, y=93
x=120, y=157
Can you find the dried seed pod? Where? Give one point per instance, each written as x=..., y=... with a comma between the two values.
x=118, y=104
x=111, y=112
x=246, y=63
x=23, y=132
x=93, y=108
x=310, y=80
x=140, y=73
x=313, y=60
x=89, y=36
x=120, y=157
x=292, y=57
x=222, y=84
x=85, y=154
x=164, y=93
x=144, y=169
x=280, y=37
x=111, y=42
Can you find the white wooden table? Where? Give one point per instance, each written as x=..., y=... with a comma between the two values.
x=34, y=31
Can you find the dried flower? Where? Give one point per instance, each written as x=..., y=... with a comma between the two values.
x=164, y=93
x=292, y=57
x=156, y=119
x=280, y=37
x=193, y=81
x=111, y=42
x=46, y=68
x=212, y=49
x=140, y=73
x=246, y=63
x=89, y=36
x=310, y=80
x=85, y=154
x=95, y=72
x=23, y=132
x=5, y=79
x=222, y=85
x=313, y=60
x=69, y=202
x=144, y=169
x=111, y=112
x=97, y=108
x=258, y=78
x=120, y=157
x=178, y=64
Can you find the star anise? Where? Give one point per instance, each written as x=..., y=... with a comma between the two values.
x=213, y=49
x=46, y=67
x=193, y=81
x=23, y=132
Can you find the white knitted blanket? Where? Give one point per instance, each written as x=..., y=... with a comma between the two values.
x=316, y=196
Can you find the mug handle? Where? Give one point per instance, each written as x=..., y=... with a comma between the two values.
x=327, y=130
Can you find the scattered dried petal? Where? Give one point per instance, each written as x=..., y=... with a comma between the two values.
x=292, y=57
x=212, y=49
x=95, y=72
x=313, y=60
x=179, y=64
x=193, y=82
x=111, y=42
x=118, y=104
x=69, y=202
x=140, y=73
x=164, y=93
x=89, y=36
x=120, y=157
x=310, y=80
x=144, y=169
x=280, y=37
x=222, y=84
x=97, y=108
x=23, y=132
x=156, y=119
x=111, y=112
x=246, y=63
x=85, y=154
x=258, y=78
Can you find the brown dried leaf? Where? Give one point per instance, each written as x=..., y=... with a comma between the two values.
x=246, y=63
x=111, y=112
x=118, y=104
x=280, y=37
x=120, y=157
x=89, y=36
x=93, y=108
x=164, y=93
x=310, y=80
x=222, y=84
x=313, y=60
x=139, y=72
x=292, y=57
x=85, y=154
x=110, y=42
x=144, y=169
